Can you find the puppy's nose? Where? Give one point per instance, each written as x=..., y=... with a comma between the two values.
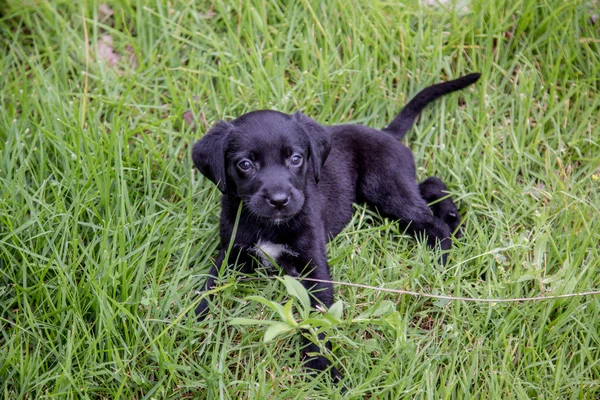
x=278, y=200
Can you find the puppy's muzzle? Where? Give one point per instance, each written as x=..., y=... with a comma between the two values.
x=278, y=200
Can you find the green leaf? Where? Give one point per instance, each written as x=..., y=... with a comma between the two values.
x=295, y=288
x=336, y=310
x=314, y=322
x=441, y=303
x=249, y=321
x=371, y=345
x=289, y=313
x=275, y=330
x=332, y=319
x=394, y=319
x=539, y=250
x=278, y=308
x=383, y=308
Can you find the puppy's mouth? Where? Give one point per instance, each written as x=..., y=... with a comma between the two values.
x=278, y=221
x=280, y=218
x=276, y=218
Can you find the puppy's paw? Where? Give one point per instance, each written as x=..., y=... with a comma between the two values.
x=458, y=232
x=335, y=375
x=451, y=217
x=202, y=310
x=315, y=362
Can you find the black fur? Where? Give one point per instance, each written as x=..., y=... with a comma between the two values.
x=298, y=179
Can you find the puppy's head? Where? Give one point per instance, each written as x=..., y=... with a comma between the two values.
x=265, y=158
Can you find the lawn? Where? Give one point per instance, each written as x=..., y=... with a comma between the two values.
x=107, y=229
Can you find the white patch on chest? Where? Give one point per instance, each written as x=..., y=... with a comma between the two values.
x=268, y=251
x=272, y=250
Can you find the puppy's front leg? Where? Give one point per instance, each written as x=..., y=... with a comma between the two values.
x=237, y=257
x=299, y=266
x=202, y=308
x=321, y=294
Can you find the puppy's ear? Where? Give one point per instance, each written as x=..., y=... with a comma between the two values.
x=320, y=141
x=209, y=154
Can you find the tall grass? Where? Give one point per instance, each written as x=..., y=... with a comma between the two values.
x=106, y=229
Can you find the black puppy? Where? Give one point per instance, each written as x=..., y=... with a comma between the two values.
x=297, y=181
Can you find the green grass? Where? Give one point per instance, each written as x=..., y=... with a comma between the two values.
x=106, y=228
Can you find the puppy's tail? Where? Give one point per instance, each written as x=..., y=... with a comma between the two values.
x=402, y=123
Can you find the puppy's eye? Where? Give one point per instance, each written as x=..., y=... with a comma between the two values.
x=245, y=165
x=296, y=160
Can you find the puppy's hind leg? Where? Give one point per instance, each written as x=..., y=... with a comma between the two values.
x=401, y=200
x=434, y=192
x=418, y=220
